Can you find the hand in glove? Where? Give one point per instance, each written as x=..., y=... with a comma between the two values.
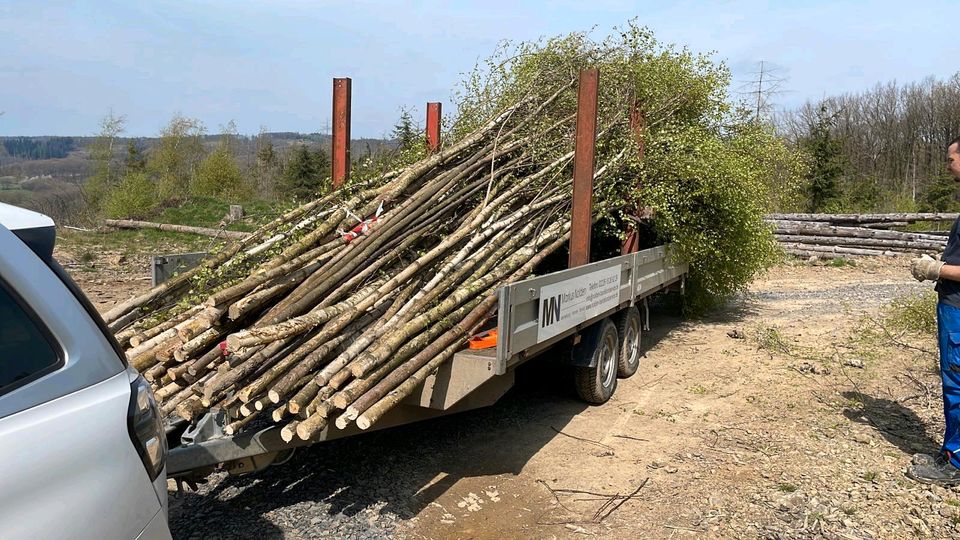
x=926, y=267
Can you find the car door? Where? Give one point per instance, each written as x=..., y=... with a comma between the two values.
x=68, y=465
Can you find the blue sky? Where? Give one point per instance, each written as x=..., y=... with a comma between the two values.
x=65, y=64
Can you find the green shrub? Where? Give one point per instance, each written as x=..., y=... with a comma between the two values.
x=219, y=176
x=135, y=196
x=174, y=159
x=709, y=195
x=915, y=313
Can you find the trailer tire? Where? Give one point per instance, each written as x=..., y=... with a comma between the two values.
x=630, y=330
x=596, y=384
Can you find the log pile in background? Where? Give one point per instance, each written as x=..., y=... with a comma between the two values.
x=339, y=309
x=830, y=236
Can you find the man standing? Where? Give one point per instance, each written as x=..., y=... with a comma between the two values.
x=944, y=468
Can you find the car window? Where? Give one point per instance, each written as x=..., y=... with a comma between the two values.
x=25, y=351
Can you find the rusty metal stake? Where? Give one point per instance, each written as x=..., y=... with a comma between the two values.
x=340, y=158
x=586, y=140
x=638, y=124
x=433, y=126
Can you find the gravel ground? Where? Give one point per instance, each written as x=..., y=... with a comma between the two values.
x=373, y=485
x=868, y=293
x=737, y=442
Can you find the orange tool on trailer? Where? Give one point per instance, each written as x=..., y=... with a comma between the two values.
x=484, y=340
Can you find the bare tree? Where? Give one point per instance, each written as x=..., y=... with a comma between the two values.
x=893, y=135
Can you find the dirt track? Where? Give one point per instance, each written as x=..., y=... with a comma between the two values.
x=795, y=430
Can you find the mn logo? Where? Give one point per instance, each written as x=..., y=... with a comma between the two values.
x=550, y=311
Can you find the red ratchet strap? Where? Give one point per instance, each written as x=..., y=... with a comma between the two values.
x=362, y=227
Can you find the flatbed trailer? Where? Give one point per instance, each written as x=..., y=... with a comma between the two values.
x=594, y=308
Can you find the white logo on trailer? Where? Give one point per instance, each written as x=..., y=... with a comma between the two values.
x=572, y=301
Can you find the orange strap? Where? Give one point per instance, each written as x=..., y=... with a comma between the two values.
x=484, y=340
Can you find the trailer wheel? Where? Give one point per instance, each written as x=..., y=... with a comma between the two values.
x=596, y=384
x=630, y=330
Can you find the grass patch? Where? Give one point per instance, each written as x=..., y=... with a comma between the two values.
x=869, y=476
x=196, y=211
x=87, y=245
x=914, y=313
x=840, y=262
x=770, y=339
x=786, y=487
x=208, y=212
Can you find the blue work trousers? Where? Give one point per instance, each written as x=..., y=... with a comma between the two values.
x=948, y=333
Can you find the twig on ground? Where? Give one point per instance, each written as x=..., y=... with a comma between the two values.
x=920, y=385
x=591, y=441
x=624, y=500
x=655, y=381
x=896, y=339
x=584, y=492
x=557, y=499
x=631, y=438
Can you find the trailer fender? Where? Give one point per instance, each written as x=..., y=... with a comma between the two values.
x=581, y=354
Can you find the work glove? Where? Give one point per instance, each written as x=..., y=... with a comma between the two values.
x=926, y=267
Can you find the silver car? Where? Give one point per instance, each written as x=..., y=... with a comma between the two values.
x=82, y=445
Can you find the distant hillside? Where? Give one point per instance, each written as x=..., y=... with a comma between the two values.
x=46, y=173
x=16, y=150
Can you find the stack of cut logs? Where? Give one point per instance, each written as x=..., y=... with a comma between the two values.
x=829, y=236
x=339, y=309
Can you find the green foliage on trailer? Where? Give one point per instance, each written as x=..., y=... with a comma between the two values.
x=708, y=170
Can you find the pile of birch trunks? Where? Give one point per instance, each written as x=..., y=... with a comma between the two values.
x=829, y=236
x=339, y=309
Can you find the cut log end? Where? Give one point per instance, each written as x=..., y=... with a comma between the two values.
x=246, y=409
x=310, y=427
x=339, y=400
x=189, y=409
x=234, y=342
x=289, y=431
x=363, y=423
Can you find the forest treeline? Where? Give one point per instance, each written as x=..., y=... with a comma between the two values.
x=129, y=179
x=878, y=150
x=881, y=149
x=39, y=147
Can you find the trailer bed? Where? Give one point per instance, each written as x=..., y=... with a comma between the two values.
x=533, y=315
